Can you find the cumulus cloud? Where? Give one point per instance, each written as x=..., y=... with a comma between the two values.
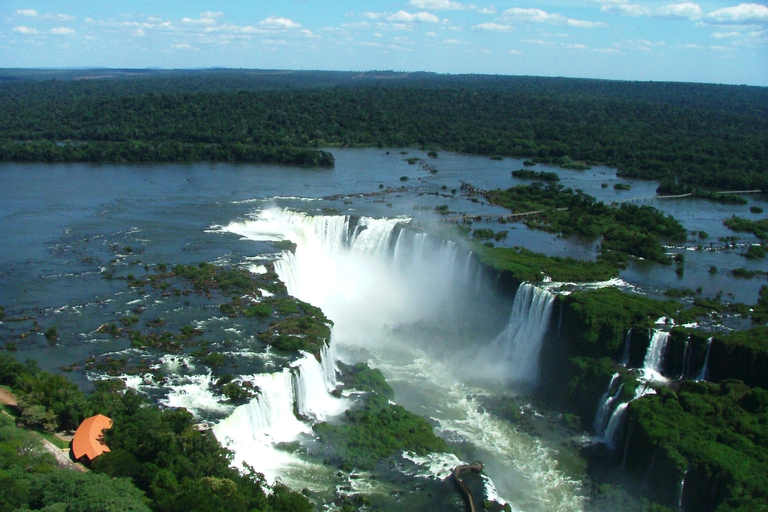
x=403, y=17
x=199, y=21
x=492, y=27
x=61, y=31
x=534, y=15
x=26, y=12
x=742, y=13
x=61, y=17
x=681, y=10
x=275, y=23
x=439, y=5
x=24, y=30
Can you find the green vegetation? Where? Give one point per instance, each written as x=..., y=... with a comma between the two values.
x=309, y=331
x=525, y=265
x=601, y=318
x=158, y=460
x=375, y=429
x=759, y=228
x=697, y=134
x=528, y=174
x=717, y=433
x=627, y=230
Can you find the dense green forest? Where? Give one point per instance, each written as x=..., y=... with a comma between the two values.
x=691, y=134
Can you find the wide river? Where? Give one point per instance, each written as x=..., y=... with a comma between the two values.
x=433, y=328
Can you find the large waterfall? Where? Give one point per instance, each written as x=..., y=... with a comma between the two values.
x=421, y=309
x=516, y=350
x=253, y=429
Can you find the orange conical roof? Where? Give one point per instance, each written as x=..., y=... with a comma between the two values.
x=88, y=438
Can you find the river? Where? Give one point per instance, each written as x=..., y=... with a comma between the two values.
x=413, y=305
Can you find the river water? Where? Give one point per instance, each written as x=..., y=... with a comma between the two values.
x=426, y=320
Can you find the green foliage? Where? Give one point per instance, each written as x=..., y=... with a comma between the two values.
x=528, y=266
x=376, y=429
x=626, y=230
x=178, y=466
x=756, y=252
x=699, y=134
x=757, y=227
x=51, y=334
x=529, y=174
x=71, y=491
x=207, y=276
x=717, y=432
x=599, y=319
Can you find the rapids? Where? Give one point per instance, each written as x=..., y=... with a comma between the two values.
x=421, y=310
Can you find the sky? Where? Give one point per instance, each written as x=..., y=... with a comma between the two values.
x=711, y=42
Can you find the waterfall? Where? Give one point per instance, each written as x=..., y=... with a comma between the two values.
x=681, y=490
x=627, y=345
x=704, y=372
x=606, y=401
x=686, y=358
x=253, y=430
x=653, y=364
x=609, y=436
x=518, y=346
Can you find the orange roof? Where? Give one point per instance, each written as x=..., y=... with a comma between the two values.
x=88, y=438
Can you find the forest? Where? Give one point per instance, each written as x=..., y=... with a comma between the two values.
x=689, y=135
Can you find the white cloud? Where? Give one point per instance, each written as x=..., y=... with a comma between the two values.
x=680, y=10
x=606, y=50
x=26, y=12
x=61, y=31
x=586, y=24
x=453, y=42
x=514, y=52
x=183, y=46
x=211, y=14
x=572, y=46
x=199, y=21
x=24, y=30
x=60, y=17
x=438, y=5
x=418, y=17
x=403, y=17
x=487, y=10
x=742, y=13
x=139, y=32
x=538, y=16
x=492, y=27
x=431, y=34
x=279, y=23
x=723, y=35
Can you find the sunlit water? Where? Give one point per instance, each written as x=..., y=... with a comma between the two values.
x=62, y=225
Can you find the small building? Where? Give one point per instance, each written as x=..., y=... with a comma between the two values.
x=88, y=442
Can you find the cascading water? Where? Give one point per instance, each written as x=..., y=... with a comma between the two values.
x=253, y=429
x=653, y=364
x=704, y=372
x=610, y=434
x=606, y=401
x=515, y=351
x=627, y=348
x=414, y=306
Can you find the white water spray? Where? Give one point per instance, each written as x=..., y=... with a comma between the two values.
x=704, y=372
x=398, y=297
x=653, y=364
x=514, y=354
x=606, y=401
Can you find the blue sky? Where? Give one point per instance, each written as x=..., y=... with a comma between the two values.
x=718, y=41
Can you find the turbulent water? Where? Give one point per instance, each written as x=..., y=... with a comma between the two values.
x=416, y=307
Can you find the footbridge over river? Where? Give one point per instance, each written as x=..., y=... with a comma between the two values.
x=472, y=190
